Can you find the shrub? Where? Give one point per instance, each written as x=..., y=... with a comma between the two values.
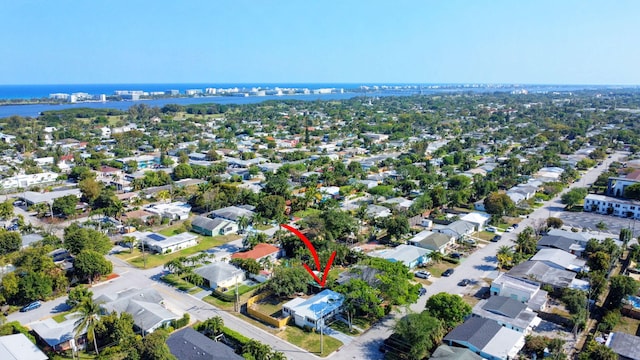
x=609, y=321
x=182, y=322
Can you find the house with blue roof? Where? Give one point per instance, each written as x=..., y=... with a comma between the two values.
x=315, y=310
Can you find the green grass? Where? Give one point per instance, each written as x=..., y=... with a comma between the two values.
x=310, y=341
x=224, y=305
x=437, y=269
x=177, y=282
x=362, y=323
x=627, y=325
x=61, y=317
x=262, y=227
x=484, y=235
x=270, y=305
x=343, y=328
x=306, y=212
x=153, y=260
x=242, y=289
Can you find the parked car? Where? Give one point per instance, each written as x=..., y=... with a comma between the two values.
x=422, y=291
x=455, y=255
x=510, y=229
x=464, y=282
x=469, y=242
x=515, y=226
x=496, y=238
x=32, y=306
x=18, y=203
x=423, y=274
x=448, y=272
x=491, y=229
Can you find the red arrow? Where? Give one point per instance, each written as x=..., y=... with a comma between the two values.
x=309, y=246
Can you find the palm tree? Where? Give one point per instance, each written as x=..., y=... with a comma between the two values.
x=436, y=256
x=212, y=325
x=175, y=266
x=504, y=256
x=129, y=241
x=243, y=222
x=87, y=319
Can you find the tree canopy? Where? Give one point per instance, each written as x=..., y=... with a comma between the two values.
x=449, y=308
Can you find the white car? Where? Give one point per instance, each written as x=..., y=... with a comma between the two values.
x=423, y=274
x=510, y=229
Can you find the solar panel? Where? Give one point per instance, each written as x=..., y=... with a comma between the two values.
x=156, y=237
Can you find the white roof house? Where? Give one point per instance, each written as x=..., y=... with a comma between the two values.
x=411, y=256
x=478, y=219
x=25, y=181
x=19, y=347
x=560, y=259
x=165, y=244
x=32, y=197
x=525, y=291
x=174, y=211
x=315, y=310
x=221, y=274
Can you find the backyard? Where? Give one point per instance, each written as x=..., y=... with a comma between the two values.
x=271, y=305
x=438, y=268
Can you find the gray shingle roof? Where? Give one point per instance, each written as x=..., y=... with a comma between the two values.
x=504, y=306
x=446, y=352
x=188, y=344
x=540, y=272
x=232, y=213
x=218, y=271
x=475, y=331
x=142, y=304
x=624, y=345
x=558, y=242
x=206, y=223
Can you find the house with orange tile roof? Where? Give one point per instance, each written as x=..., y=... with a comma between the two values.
x=259, y=252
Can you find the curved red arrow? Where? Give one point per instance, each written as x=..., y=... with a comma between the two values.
x=309, y=246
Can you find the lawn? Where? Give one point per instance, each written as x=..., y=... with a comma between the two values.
x=271, y=305
x=242, y=289
x=437, y=269
x=628, y=325
x=343, y=328
x=471, y=300
x=484, y=235
x=61, y=317
x=306, y=212
x=177, y=282
x=310, y=341
x=205, y=242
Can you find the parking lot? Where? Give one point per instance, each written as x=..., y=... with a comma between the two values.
x=589, y=221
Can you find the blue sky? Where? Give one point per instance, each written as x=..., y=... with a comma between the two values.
x=346, y=41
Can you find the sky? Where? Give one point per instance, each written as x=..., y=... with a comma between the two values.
x=320, y=41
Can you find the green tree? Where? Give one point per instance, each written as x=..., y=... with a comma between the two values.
x=65, y=205
x=422, y=331
x=632, y=191
x=625, y=236
x=594, y=351
x=90, y=265
x=574, y=196
x=182, y=171
x=77, y=238
x=211, y=326
x=271, y=207
x=256, y=350
x=449, y=308
x=249, y=265
x=88, y=316
x=77, y=295
x=397, y=226
x=499, y=204
x=361, y=299
x=90, y=189
x=154, y=346
x=10, y=241
x=116, y=333
x=619, y=287
x=6, y=210
x=287, y=281
x=526, y=241
x=338, y=224
x=34, y=286
x=599, y=261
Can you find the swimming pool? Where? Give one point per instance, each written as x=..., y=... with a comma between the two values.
x=634, y=300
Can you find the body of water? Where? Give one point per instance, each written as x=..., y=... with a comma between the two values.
x=43, y=91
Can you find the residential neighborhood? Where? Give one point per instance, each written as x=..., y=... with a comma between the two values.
x=449, y=226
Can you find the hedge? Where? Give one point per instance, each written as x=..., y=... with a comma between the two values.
x=235, y=336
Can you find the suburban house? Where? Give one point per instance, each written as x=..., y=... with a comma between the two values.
x=479, y=220
x=28, y=180
x=545, y=274
x=607, y=205
x=137, y=214
x=108, y=175
x=259, y=252
x=433, y=241
x=560, y=259
x=446, y=352
x=32, y=197
x=411, y=256
x=361, y=272
x=188, y=344
x=377, y=211
x=173, y=211
x=29, y=239
x=19, y=347
x=165, y=244
x=60, y=336
x=625, y=345
x=315, y=310
x=486, y=338
x=525, y=291
x=507, y=312
x=142, y=161
x=145, y=305
x=221, y=274
x=233, y=213
x=560, y=242
x=458, y=229
x=399, y=203
x=211, y=227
